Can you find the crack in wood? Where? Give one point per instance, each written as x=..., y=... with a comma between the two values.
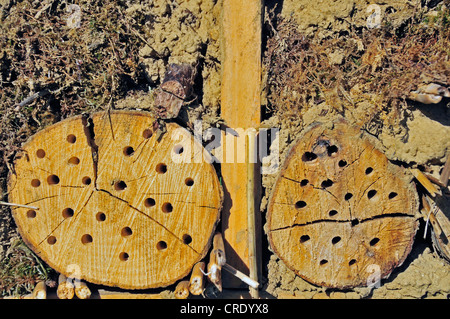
x=75, y=217
x=149, y=217
x=390, y=215
x=88, y=128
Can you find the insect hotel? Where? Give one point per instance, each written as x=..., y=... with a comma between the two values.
x=132, y=203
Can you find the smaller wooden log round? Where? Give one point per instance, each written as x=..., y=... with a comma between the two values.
x=114, y=204
x=340, y=214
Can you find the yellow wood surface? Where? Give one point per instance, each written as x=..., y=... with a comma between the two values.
x=240, y=108
x=141, y=219
x=340, y=213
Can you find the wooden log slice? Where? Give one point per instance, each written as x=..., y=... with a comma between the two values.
x=340, y=213
x=114, y=203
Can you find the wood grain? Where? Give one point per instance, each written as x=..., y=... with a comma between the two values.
x=240, y=109
x=340, y=209
x=125, y=209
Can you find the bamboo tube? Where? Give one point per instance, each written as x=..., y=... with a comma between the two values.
x=196, y=283
x=219, y=249
x=40, y=291
x=214, y=271
x=65, y=290
x=82, y=290
x=182, y=290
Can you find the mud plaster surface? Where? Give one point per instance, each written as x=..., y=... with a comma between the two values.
x=424, y=274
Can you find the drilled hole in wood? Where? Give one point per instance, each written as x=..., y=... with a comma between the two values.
x=74, y=160
x=123, y=256
x=51, y=240
x=352, y=262
x=120, y=185
x=332, y=150
x=126, y=232
x=40, y=153
x=178, y=149
x=167, y=207
x=31, y=213
x=100, y=216
x=371, y=193
x=392, y=195
x=67, y=212
x=348, y=196
x=147, y=133
x=309, y=157
x=149, y=202
x=304, y=182
x=161, y=168
x=187, y=239
x=342, y=163
x=333, y=212
x=327, y=183
x=71, y=138
x=335, y=240
x=189, y=181
x=374, y=241
x=52, y=180
x=304, y=238
x=323, y=262
x=35, y=182
x=86, y=239
x=86, y=180
x=161, y=245
x=300, y=204
x=354, y=222
x=369, y=170
x=128, y=151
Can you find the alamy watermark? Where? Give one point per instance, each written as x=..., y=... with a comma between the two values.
x=232, y=145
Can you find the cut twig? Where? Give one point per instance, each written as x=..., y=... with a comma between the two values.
x=40, y=291
x=66, y=289
x=249, y=281
x=82, y=290
x=18, y=205
x=182, y=290
x=196, y=283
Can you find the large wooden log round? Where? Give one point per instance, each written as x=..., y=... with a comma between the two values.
x=114, y=204
x=340, y=214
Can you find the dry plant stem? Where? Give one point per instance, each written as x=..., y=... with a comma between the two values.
x=251, y=160
x=82, y=290
x=249, y=281
x=182, y=290
x=66, y=289
x=40, y=291
x=18, y=205
x=430, y=211
x=196, y=282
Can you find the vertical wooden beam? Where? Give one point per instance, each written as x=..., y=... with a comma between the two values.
x=241, y=110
